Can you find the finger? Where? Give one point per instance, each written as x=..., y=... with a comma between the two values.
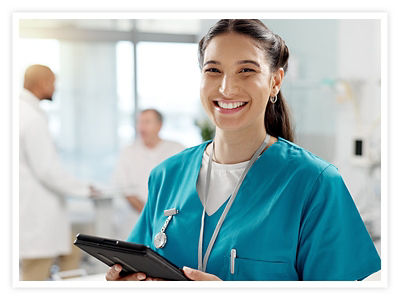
x=113, y=272
x=157, y=279
x=134, y=277
x=154, y=279
x=198, y=275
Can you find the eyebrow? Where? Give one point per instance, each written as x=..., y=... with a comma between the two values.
x=240, y=62
x=211, y=62
x=248, y=61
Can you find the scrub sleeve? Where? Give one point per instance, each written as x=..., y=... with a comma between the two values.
x=333, y=241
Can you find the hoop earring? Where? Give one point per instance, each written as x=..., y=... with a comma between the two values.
x=273, y=99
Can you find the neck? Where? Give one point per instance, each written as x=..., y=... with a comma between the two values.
x=152, y=143
x=36, y=93
x=234, y=147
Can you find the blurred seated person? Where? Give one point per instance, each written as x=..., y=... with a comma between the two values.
x=44, y=229
x=133, y=169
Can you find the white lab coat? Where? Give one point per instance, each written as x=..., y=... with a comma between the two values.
x=44, y=228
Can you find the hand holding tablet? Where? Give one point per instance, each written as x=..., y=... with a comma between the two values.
x=133, y=259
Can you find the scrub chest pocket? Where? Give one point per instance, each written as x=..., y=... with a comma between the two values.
x=246, y=268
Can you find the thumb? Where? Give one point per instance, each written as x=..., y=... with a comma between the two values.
x=198, y=275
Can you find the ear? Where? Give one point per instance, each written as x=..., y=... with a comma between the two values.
x=277, y=79
x=159, y=126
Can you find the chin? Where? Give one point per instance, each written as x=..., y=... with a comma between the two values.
x=229, y=126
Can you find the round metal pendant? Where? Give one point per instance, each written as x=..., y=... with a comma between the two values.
x=160, y=240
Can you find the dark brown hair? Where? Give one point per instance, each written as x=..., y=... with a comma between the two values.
x=277, y=116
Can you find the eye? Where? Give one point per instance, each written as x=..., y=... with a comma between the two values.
x=212, y=70
x=246, y=70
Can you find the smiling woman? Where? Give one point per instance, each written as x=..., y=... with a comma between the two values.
x=259, y=66
x=235, y=91
x=252, y=204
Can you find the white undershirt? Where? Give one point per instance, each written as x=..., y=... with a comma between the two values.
x=224, y=178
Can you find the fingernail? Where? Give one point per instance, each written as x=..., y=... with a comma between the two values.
x=187, y=269
x=117, y=268
x=141, y=276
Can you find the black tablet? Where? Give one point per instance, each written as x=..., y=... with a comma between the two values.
x=132, y=257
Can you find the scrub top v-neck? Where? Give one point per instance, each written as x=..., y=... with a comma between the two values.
x=224, y=178
x=293, y=219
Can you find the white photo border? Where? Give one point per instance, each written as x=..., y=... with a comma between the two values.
x=381, y=16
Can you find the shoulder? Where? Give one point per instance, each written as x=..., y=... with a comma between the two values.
x=302, y=161
x=28, y=111
x=129, y=149
x=30, y=118
x=321, y=181
x=175, y=146
x=182, y=161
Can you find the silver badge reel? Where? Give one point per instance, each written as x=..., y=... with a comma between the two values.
x=161, y=238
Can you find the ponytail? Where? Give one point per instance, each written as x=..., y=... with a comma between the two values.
x=277, y=119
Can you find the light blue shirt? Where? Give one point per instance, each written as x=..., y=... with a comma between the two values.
x=293, y=219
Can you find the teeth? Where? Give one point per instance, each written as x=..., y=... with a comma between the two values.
x=230, y=105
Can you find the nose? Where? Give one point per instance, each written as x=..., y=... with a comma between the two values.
x=229, y=86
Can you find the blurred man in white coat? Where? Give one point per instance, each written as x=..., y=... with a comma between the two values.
x=134, y=166
x=44, y=231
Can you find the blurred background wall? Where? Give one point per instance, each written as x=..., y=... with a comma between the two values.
x=108, y=70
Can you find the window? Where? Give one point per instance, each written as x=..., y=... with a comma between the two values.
x=177, y=26
x=125, y=82
x=168, y=80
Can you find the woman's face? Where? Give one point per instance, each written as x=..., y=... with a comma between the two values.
x=236, y=82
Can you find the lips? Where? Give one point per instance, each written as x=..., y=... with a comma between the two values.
x=231, y=106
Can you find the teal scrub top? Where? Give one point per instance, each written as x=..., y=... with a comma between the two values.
x=293, y=219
